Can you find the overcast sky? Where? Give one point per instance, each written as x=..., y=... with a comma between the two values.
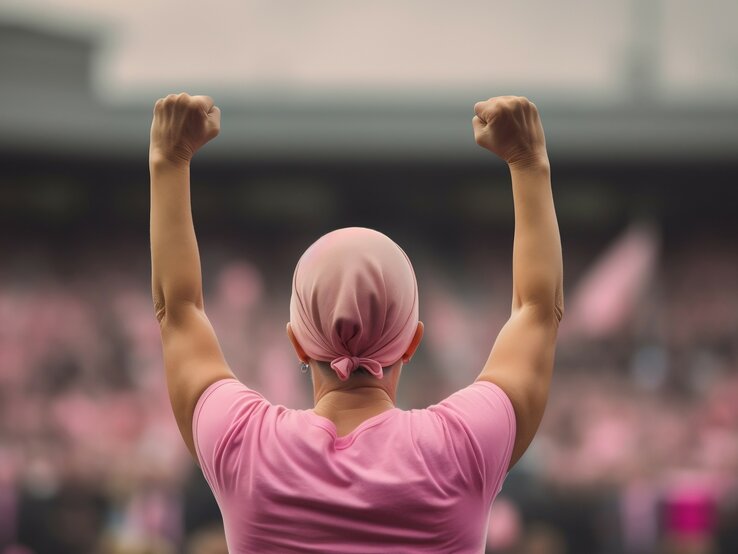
x=571, y=47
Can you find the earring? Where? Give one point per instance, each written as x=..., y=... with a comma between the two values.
x=304, y=366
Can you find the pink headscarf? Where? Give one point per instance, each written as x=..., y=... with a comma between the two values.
x=354, y=301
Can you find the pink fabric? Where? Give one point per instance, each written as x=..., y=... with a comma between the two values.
x=354, y=301
x=402, y=481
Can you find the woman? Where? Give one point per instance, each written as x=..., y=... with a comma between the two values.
x=356, y=474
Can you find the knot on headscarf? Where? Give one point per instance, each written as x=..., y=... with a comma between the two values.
x=344, y=365
x=354, y=301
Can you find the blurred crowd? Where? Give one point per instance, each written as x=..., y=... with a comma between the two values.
x=637, y=452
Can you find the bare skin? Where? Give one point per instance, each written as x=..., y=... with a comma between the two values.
x=521, y=361
x=348, y=403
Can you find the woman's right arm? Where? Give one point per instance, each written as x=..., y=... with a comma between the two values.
x=521, y=360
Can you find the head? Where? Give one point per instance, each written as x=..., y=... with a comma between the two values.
x=354, y=311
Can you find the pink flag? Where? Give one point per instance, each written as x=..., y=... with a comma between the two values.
x=606, y=296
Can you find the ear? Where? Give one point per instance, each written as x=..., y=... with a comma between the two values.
x=414, y=344
x=301, y=355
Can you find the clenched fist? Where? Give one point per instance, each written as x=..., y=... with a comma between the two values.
x=509, y=126
x=181, y=125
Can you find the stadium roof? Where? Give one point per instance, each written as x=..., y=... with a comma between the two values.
x=50, y=103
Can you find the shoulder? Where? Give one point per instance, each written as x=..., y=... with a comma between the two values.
x=223, y=406
x=475, y=425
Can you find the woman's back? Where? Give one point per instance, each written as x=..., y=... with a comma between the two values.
x=402, y=481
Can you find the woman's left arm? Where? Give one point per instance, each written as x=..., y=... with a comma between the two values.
x=192, y=356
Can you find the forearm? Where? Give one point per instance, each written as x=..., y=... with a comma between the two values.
x=537, y=260
x=176, y=277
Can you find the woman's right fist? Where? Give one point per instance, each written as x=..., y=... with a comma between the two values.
x=181, y=125
x=510, y=127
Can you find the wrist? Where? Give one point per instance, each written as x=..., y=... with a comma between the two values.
x=159, y=160
x=534, y=162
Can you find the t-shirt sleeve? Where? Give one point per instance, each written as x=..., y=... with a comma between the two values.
x=480, y=423
x=225, y=420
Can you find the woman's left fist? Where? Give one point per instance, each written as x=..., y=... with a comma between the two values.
x=181, y=125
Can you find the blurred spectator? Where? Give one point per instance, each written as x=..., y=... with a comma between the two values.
x=638, y=450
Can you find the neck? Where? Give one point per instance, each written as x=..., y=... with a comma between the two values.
x=360, y=399
x=360, y=394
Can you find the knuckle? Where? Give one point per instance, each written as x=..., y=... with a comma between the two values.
x=527, y=104
x=511, y=106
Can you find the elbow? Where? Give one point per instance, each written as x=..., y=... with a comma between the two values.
x=545, y=312
x=559, y=304
x=552, y=313
x=173, y=311
x=159, y=310
x=171, y=306
x=546, y=306
x=559, y=312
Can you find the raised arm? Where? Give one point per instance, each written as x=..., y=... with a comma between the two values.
x=192, y=356
x=521, y=361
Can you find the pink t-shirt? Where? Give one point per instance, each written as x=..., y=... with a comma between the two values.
x=402, y=481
